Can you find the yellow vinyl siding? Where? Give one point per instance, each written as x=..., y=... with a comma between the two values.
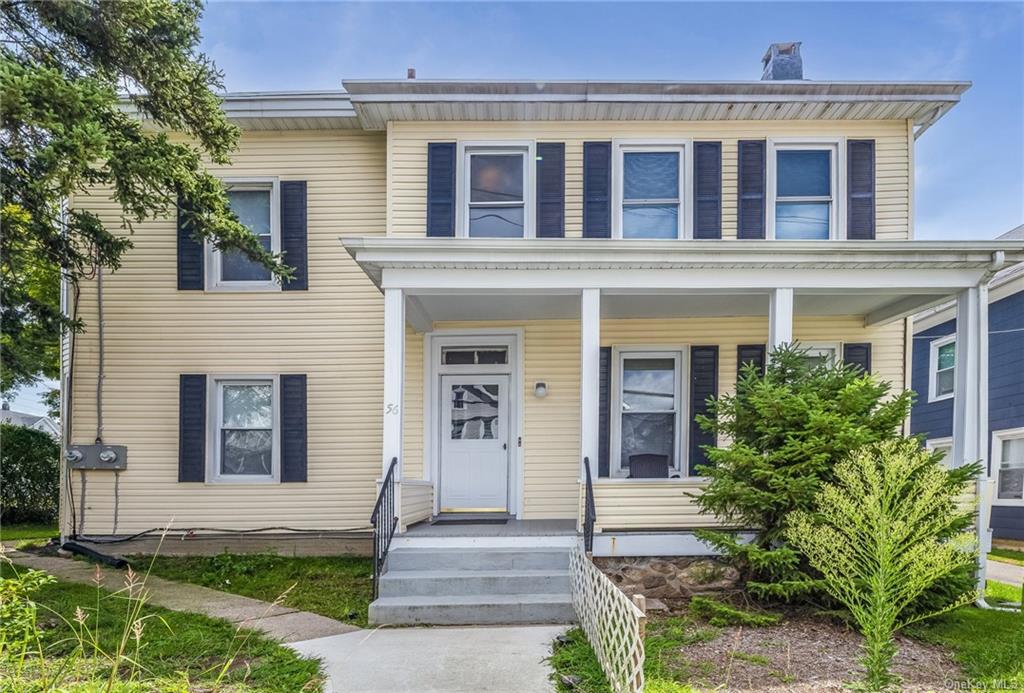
x=551, y=425
x=407, y=181
x=417, y=502
x=333, y=332
x=647, y=505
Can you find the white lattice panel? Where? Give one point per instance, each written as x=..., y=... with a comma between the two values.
x=614, y=625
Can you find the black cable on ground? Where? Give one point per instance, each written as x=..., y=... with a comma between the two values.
x=191, y=533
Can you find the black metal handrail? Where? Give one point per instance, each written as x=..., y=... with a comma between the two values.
x=384, y=520
x=589, y=511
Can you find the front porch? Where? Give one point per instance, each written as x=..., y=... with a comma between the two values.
x=580, y=320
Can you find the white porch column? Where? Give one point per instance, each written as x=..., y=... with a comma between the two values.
x=780, y=318
x=970, y=406
x=590, y=374
x=394, y=376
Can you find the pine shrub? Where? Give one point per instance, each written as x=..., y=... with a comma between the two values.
x=888, y=529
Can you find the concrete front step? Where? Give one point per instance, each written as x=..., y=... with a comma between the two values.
x=411, y=583
x=489, y=559
x=473, y=609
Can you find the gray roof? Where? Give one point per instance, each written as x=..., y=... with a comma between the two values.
x=370, y=104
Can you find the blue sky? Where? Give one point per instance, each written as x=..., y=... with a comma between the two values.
x=969, y=167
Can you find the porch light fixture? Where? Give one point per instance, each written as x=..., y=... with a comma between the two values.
x=540, y=390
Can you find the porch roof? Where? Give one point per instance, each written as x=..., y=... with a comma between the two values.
x=375, y=254
x=882, y=280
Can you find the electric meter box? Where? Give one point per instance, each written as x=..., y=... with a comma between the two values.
x=98, y=456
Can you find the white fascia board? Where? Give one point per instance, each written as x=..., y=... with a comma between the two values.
x=1006, y=283
x=639, y=279
x=919, y=260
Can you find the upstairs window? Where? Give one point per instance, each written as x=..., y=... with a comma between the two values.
x=942, y=369
x=255, y=203
x=650, y=191
x=805, y=185
x=496, y=192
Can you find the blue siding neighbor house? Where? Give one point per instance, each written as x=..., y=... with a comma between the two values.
x=932, y=378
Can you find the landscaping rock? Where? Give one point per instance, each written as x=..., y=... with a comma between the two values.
x=668, y=577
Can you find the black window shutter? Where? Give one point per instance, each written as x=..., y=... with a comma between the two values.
x=703, y=384
x=604, y=414
x=293, y=233
x=597, y=189
x=858, y=355
x=192, y=428
x=860, y=185
x=293, y=428
x=550, y=189
x=751, y=213
x=750, y=353
x=441, y=189
x=191, y=274
x=707, y=190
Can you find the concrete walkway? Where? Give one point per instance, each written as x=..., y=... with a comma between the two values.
x=281, y=623
x=499, y=659
x=1004, y=572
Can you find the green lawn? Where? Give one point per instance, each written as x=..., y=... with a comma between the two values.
x=335, y=586
x=989, y=645
x=20, y=532
x=179, y=651
x=1007, y=556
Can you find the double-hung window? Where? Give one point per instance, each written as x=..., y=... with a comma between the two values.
x=496, y=191
x=648, y=425
x=256, y=204
x=943, y=445
x=820, y=354
x=805, y=197
x=1008, y=450
x=942, y=368
x=244, y=431
x=649, y=186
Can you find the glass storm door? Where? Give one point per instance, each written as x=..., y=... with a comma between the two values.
x=474, y=443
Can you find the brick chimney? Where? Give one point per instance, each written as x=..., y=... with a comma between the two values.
x=783, y=61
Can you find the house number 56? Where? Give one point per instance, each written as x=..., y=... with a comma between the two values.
x=391, y=409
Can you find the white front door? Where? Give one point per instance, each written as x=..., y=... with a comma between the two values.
x=474, y=443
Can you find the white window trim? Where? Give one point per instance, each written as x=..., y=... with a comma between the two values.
x=213, y=278
x=822, y=348
x=997, y=439
x=529, y=150
x=213, y=419
x=933, y=444
x=685, y=149
x=681, y=465
x=836, y=145
x=933, y=368
x=433, y=341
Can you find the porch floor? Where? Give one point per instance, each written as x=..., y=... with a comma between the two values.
x=512, y=528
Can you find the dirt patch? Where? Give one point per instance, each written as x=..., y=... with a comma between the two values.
x=801, y=655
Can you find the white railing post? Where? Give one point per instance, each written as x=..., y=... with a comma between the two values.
x=394, y=375
x=590, y=375
x=970, y=406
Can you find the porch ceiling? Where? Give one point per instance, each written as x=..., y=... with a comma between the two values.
x=462, y=306
x=476, y=279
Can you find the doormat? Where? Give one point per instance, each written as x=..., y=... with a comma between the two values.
x=467, y=521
